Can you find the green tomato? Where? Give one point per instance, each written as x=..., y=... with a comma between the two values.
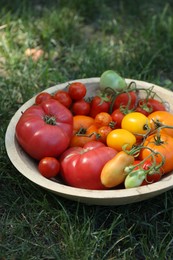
x=110, y=79
x=134, y=179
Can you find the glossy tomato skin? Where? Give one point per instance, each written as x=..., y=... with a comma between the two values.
x=163, y=117
x=63, y=97
x=136, y=122
x=118, y=138
x=77, y=90
x=150, y=178
x=165, y=148
x=81, y=167
x=98, y=104
x=128, y=99
x=37, y=136
x=49, y=167
x=156, y=105
x=42, y=97
x=81, y=107
x=117, y=117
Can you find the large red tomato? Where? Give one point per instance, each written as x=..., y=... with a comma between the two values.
x=45, y=130
x=81, y=167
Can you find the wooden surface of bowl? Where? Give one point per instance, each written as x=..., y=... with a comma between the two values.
x=28, y=167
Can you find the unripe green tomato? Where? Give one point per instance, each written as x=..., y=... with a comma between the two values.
x=134, y=179
x=110, y=79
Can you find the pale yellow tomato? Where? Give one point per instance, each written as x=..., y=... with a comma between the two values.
x=120, y=137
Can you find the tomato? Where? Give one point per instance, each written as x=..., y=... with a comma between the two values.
x=84, y=136
x=45, y=130
x=159, y=118
x=117, y=117
x=156, y=105
x=81, y=122
x=143, y=107
x=111, y=79
x=81, y=167
x=103, y=119
x=126, y=99
x=162, y=145
x=150, y=177
x=49, y=167
x=99, y=104
x=81, y=107
x=102, y=133
x=113, y=172
x=136, y=122
x=63, y=97
x=118, y=138
x=77, y=90
x=42, y=97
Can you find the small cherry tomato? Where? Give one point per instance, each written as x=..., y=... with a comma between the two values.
x=42, y=97
x=118, y=138
x=99, y=104
x=137, y=123
x=103, y=119
x=117, y=117
x=81, y=107
x=127, y=99
x=77, y=90
x=156, y=105
x=63, y=97
x=49, y=167
x=102, y=132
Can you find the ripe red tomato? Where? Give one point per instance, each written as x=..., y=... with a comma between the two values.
x=150, y=177
x=117, y=116
x=81, y=107
x=63, y=97
x=77, y=90
x=45, y=130
x=98, y=104
x=81, y=167
x=49, y=167
x=156, y=105
x=127, y=99
x=42, y=97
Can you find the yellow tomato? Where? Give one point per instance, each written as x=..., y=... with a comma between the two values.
x=136, y=122
x=120, y=137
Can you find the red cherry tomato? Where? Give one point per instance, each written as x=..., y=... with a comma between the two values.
x=77, y=90
x=63, y=97
x=98, y=104
x=117, y=117
x=81, y=107
x=42, y=97
x=49, y=167
x=127, y=99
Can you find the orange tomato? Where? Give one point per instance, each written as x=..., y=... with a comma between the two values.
x=103, y=131
x=161, y=117
x=103, y=119
x=84, y=136
x=81, y=122
x=162, y=145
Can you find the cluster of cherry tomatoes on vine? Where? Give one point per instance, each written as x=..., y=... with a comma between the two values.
x=115, y=137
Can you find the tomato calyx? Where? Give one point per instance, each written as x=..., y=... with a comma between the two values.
x=50, y=120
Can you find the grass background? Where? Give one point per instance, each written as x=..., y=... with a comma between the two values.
x=80, y=39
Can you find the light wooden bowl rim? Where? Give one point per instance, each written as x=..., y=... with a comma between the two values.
x=27, y=168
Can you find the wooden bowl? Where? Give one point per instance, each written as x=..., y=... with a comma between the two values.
x=28, y=167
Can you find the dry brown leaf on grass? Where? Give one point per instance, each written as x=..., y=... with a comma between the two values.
x=34, y=53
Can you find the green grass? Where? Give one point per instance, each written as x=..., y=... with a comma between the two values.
x=81, y=39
